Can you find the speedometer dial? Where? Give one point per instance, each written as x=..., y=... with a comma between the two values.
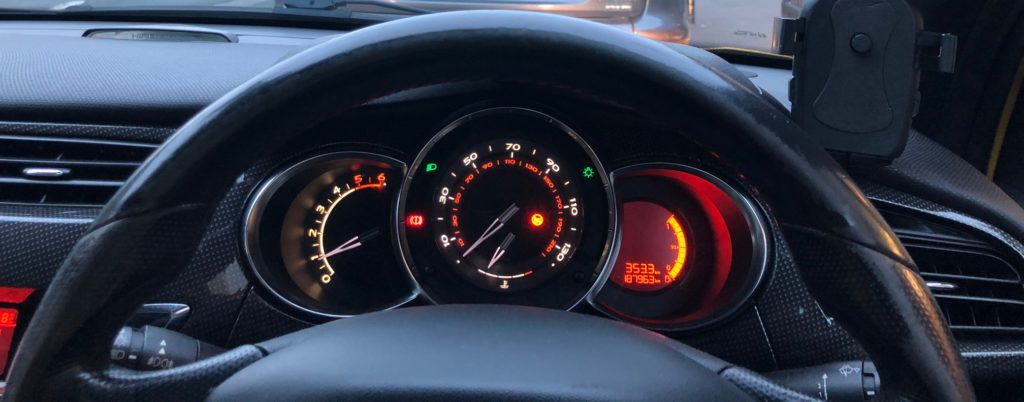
x=506, y=205
x=507, y=215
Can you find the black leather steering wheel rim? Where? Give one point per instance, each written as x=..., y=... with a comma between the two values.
x=847, y=255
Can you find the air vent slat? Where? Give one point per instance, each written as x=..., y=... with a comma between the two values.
x=47, y=162
x=960, y=261
x=82, y=183
x=911, y=238
x=980, y=300
x=51, y=170
x=957, y=278
x=976, y=286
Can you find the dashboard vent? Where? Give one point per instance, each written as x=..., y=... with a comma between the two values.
x=61, y=171
x=975, y=283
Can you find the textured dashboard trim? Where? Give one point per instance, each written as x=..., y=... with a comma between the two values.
x=884, y=195
x=928, y=170
x=87, y=131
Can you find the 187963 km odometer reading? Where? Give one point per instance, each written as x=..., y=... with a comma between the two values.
x=510, y=202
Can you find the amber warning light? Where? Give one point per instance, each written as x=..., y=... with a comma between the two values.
x=537, y=220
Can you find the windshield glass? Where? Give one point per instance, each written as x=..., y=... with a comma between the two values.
x=739, y=24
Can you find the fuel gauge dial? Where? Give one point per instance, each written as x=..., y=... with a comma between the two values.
x=692, y=248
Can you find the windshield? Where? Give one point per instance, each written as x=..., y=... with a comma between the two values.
x=738, y=24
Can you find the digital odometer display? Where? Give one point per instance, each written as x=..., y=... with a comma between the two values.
x=653, y=253
x=506, y=205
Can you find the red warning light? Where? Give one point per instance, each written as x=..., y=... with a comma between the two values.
x=414, y=220
x=537, y=220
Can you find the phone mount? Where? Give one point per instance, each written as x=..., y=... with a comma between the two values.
x=856, y=65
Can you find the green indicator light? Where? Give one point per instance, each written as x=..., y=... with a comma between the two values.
x=431, y=167
x=588, y=172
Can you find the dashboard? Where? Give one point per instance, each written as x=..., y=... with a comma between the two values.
x=504, y=205
x=463, y=193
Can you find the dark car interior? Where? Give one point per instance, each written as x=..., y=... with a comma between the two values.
x=568, y=200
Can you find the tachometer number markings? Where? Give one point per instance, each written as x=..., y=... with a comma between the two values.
x=358, y=182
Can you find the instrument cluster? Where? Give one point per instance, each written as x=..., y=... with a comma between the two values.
x=505, y=205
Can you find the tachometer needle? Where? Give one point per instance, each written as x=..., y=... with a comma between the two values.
x=493, y=228
x=352, y=243
x=501, y=249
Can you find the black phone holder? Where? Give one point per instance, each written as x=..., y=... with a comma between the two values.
x=856, y=65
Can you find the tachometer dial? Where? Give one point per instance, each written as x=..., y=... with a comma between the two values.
x=345, y=235
x=319, y=235
x=506, y=205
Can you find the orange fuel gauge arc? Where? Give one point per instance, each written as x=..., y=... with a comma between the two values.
x=680, y=246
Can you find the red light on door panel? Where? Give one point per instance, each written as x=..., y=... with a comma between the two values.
x=414, y=220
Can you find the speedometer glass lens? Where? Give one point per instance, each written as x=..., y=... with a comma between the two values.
x=506, y=205
x=507, y=216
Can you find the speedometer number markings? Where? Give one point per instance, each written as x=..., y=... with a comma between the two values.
x=491, y=172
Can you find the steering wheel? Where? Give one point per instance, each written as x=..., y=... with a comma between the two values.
x=847, y=255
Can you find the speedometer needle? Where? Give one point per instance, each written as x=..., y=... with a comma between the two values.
x=352, y=243
x=501, y=249
x=494, y=227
